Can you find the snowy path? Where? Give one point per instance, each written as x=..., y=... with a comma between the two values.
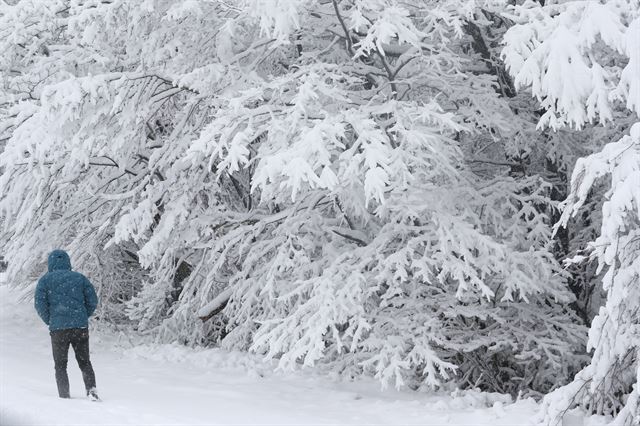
x=169, y=385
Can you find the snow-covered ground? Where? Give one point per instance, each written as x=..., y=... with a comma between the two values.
x=171, y=385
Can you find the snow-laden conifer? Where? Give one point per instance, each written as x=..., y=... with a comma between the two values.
x=581, y=60
x=314, y=160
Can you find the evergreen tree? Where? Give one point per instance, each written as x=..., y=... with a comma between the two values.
x=350, y=175
x=582, y=62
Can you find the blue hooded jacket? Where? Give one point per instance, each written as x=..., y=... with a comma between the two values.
x=64, y=298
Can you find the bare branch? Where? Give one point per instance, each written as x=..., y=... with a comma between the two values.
x=344, y=28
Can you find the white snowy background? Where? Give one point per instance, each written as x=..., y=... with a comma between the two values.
x=327, y=211
x=173, y=385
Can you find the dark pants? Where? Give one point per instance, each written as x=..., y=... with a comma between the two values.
x=78, y=338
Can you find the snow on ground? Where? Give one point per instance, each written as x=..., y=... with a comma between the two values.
x=172, y=385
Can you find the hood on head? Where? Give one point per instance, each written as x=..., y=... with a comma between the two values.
x=59, y=260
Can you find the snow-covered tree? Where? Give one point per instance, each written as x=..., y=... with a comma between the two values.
x=343, y=172
x=581, y=60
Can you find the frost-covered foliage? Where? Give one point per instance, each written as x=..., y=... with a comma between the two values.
x=582, y=61
x=350, y=173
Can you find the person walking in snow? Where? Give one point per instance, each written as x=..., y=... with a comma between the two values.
x=65, y=300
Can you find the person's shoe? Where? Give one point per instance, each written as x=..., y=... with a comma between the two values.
x=93, y=394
